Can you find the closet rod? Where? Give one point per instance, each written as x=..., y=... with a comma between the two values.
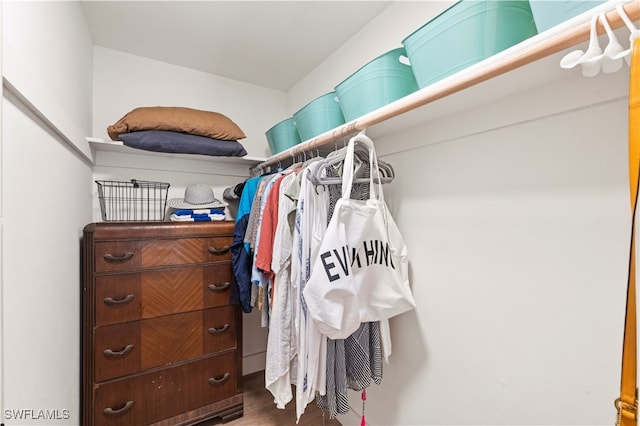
x=530, y=50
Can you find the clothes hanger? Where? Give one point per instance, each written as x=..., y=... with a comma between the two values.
x=612, y=56
x=634, y=32
x=333, y=159
x=312, y=159
x=385, y=170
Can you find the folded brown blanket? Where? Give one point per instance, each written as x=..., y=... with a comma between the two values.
x=177, y=119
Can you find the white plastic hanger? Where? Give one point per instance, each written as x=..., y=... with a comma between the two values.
x=609, y=60
x=590, y=68
x=634, y=33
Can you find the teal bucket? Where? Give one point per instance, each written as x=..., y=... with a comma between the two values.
x=282, y=136
x=381, y=81
x=466, y=33
x=318, y=116
x=548, y=14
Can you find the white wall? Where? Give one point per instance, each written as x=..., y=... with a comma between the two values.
x=518, y=241
x=46, y=204
x=1, y=238
x=513, y=201
x=178, y=172
x=124, y=82
x=46, y=57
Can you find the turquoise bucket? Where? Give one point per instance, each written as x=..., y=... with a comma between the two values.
x=381, y=81
x=466, y=33
x=318, y=116
x=548, y=14
x=282, y=136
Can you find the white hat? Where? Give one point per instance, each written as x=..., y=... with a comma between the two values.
x=197, y=196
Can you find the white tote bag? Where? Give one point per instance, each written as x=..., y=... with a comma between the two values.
x=361, y=272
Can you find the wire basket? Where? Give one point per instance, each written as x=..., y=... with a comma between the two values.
x=135, y=200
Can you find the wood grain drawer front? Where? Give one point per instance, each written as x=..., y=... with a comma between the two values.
x=220, y=329
x=119, y=404
x=118, y=298
x=218, y=248
x=218, y=280
x=185, y=251
x=117, y=256
x=130, y=255
x=117, y=351
x=160, y=394
x=127, y=348
x=129, y=297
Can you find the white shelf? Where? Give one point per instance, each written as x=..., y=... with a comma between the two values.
x=99, y=144
x=480, y=83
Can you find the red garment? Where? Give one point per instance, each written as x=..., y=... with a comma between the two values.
x=268, y=230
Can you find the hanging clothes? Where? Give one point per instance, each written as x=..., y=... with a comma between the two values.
x=351, y=362
x=261, y=282
x=251, y=237
x=310, y=224
x=240, y=253
x=281, y=224
x=281, y=365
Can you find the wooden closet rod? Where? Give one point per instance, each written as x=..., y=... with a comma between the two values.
x=526, y=52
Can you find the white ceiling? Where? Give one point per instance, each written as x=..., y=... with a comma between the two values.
x=269, y=43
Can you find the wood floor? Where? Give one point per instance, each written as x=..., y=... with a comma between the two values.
x=260, y=410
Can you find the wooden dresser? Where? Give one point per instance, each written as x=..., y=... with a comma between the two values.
x=161, y=343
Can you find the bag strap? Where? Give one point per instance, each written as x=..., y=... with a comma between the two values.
x=627, y=403
x=374, y=171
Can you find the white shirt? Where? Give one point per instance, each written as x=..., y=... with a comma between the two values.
x=311, y=222
x=281, y=366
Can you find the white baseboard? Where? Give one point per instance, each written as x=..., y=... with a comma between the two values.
x=253, y=363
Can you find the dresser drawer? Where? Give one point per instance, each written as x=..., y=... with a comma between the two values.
x=130, y=255
x=133, y=296
x=127, y=348
x=220, y=329
x=117, y=256
x=160, y=394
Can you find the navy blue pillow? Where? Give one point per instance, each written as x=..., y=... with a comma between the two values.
x=181, y=143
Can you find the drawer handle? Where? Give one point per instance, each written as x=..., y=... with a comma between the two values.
x=219, y=287
x=111, y=301
x=111, y=353
x=214, y=381
x=111, y=412
x=214, y=250
x=214, y=330
x=118, y=258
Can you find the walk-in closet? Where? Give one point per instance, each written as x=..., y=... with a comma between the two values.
x=507, y=179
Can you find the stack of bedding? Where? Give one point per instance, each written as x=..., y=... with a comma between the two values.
x=179, y=130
